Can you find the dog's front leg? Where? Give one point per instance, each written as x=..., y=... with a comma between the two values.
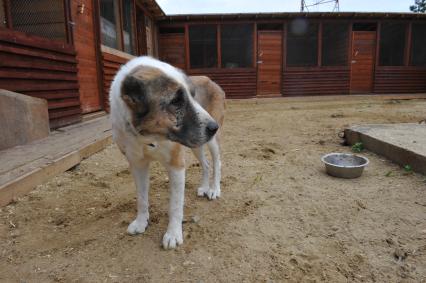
x=140, y=172
x=173, y=236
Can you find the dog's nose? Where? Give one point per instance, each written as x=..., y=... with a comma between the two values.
x=211, y=128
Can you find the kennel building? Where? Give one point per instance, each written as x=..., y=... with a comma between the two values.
x=68, y=51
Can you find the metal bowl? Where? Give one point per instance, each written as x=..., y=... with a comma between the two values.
x=344, y=165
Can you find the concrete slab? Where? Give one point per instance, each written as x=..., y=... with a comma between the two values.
x=23, y=119
x=404, y=144
x=22, y=168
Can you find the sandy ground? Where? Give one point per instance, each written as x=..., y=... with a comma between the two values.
x=280, y=218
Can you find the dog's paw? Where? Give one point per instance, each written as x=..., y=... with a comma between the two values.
x=213, y=193
x=202, y=191
x=137, y=226
x=172, y=238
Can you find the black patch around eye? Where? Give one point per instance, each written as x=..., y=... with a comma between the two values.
x=178, y=99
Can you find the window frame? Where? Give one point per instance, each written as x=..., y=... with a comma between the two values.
x=407, y=43
x=188, y=48
x=348, y=44
x=319, y=64
x=67, y=19
x=218, y=25
x=319, y=46
x=120, y=26
x=221, y=27
x=410, y=47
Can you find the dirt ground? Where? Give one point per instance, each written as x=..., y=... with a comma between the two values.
x=280, y=217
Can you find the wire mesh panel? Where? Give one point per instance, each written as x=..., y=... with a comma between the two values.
x=128, y=27
x=418, y=45
x=237, y=45
x=392, y=44
x=302, y=44
x=335, y=38
x=109, y=23
x=2, y=15
x=45, y=18
x=203, y=46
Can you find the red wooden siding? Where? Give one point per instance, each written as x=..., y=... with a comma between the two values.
x=111, y=64
x=316, y=81
x=41, y=68
x=85, y=45
x=400, y=80
x=172, y=49
x=236, y=83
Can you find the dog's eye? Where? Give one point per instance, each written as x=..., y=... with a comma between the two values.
x=178, y=99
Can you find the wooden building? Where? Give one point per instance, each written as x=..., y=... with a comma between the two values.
x=68, y=51
x=288, y=54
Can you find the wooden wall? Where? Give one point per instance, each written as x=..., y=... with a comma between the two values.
x=237, y=83
x=400, y=80
x=315, y=81
x=41, y=68
x=111, y=62
x=85, y=44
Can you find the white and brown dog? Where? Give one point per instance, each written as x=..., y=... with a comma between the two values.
x=155, y=109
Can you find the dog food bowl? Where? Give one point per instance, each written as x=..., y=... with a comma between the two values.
x=344, y=165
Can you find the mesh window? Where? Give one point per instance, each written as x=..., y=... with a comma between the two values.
x=335, y=44
x=203, y=46
x=109, y=20
x=418, y=45
x=237, y=46
x=302, y=44
x=392, y=44
x=2, y=15
x=128, y=29
x=45, y=18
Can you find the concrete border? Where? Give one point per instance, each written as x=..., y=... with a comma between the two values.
x=397, y=153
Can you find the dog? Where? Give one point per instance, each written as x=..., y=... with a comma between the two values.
x=156, y=110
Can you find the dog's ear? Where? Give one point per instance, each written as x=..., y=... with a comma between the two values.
x=133, y=91
x=134, y=94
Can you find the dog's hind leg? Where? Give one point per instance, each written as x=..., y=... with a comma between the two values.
x=140, y=172
x=204, y=187
x=214, y=191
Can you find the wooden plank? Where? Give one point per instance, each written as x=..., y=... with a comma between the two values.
x=20, y=38
x=37, y=53
x=35, y=63
x=29, y=74
x=34, y=164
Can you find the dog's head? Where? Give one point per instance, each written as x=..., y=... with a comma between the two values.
x=162, y=106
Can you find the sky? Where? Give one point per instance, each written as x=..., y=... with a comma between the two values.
x=257, y=6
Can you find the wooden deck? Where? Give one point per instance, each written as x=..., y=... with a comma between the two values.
x=22, y=168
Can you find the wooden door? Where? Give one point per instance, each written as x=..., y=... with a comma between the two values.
x=362, y=61
x=269, y=62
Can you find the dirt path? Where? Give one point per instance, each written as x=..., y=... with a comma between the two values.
x=280, y=217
